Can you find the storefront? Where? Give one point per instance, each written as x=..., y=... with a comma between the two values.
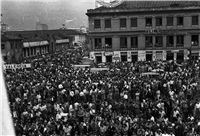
x=98, y=57
x=134, y=56
x=170, y=55
x=123, y=56
x=195, y=54
x=149, y=55
x=108, y=56
x=180, y=56
x=159, y=55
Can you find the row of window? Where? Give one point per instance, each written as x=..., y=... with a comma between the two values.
x=12, y=46
x=3, y=46
x=148, y=22
x=148, y=41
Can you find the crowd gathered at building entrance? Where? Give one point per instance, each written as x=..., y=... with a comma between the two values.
x=130, y=99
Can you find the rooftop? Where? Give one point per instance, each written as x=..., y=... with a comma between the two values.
x=148, y=5
x=5, y=37
x=41, y=35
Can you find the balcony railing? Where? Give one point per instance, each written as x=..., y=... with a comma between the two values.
x=123, y=47
x=158, y=47
x=179, y=45
x=170, y=46
x=149, y=46
x=194, y=44
x=134, y=47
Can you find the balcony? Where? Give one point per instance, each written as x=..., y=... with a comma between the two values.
x=194, y=44
x=170, y=46
x=123, y=48
x=179, y=46
x=103, y=48
x=158, y=46
x=149, y=46
x=134, y=47
x=98, y=48
x=108, y=49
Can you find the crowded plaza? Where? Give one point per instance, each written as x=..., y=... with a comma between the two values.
x=53, y=98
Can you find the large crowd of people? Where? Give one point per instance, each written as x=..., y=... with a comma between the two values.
x=54, y=99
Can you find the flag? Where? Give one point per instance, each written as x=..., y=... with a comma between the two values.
x=6, y=125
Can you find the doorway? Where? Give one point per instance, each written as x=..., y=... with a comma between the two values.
x=180, y=57
x=109, y=58
x=134, y=58
x=195, y=56
x=98, y=59
x=123, y=58
x=170, y=56
x=149, y=57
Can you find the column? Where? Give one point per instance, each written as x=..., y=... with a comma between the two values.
x=164, y=55
x=103, y=57
x=154, y=41
x=164, y=41
x=175, y=56
x=102, y=25
x=128, y=43
x=153, y=22
x=129, y=56
x=174, y=41
x=103, y=43
x=128, y=23
x=154, y=55
x=29, y=50
x=116, y=42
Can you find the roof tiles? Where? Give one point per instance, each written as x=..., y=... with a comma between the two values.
x=153, y=4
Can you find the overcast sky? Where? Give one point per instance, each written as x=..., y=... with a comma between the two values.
x=23, y=14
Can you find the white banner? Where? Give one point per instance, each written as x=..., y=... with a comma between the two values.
x=33, y=44
x=16, y=66
x=98, y=69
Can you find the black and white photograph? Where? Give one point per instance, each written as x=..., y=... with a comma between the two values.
x=100, y=68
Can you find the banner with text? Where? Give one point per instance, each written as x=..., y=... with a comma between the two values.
x=16, y=66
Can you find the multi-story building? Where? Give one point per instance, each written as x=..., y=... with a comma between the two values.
x=11, y=48
x=17, y=45
x=145, y=30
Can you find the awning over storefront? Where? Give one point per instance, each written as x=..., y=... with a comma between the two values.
x=33, y=44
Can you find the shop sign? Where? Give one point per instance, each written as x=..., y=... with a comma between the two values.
x=108, y=53
x=134, y=53
x=159, y=52
x=116, y=57
x=173, y=51
x=148, y=52
x=195, y=51
x=98, y=54
x=161, y=31
x=123, y=53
